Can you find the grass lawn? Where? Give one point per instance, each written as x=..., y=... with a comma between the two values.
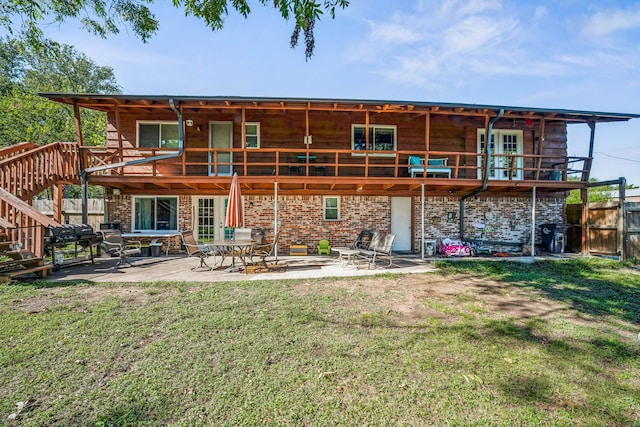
x=477, y=343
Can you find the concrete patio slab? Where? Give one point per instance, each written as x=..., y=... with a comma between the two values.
x=170, y=268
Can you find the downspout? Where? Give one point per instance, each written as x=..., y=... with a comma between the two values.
x=485, y=179
x=88, y=171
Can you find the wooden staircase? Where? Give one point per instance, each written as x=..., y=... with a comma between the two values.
x=20, y=262
x=27, y=169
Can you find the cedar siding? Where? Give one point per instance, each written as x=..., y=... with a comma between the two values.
x=282, y=133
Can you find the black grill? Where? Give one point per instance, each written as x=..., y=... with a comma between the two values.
x=76, y=234
x=71, y=233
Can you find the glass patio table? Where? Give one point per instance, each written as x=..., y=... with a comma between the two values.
x=237, y=249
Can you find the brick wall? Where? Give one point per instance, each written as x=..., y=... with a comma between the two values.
x=301, y=217
x=508, y=217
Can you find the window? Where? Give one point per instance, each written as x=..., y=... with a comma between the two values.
x=331, y=208
x=158, y=134
x=506, y=155
x=155, y=213
x=252, y=135
x=381, y=137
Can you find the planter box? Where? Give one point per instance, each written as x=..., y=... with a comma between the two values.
x=300, y=250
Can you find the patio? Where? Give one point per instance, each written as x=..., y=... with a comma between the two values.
x=178, y=268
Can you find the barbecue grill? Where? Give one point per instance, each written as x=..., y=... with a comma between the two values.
x=81, y=236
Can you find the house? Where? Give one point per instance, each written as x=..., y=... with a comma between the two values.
x=329, y=168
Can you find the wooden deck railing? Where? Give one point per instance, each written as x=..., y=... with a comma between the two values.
x=25, y=170
x=23, y=224
x=25, y=173
x=339, y=163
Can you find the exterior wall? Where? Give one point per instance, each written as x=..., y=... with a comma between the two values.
x=300, y=217
x=332, y=130
x=119, y=210
x=509, y=217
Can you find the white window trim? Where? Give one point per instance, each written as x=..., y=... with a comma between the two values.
x=151, y=122
x=324, y=208
x=135, y=229
x=497, y=135
x=257, y=125
x=380, y=153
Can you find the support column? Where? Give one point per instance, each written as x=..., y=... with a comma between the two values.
x=584, y=221
x=533, y=222
x=422, y=222
x=57, y=203
x=622, y=219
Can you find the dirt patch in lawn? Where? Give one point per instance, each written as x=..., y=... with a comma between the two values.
x=81, y=298
x=412, y=298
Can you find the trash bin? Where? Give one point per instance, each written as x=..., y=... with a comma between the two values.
x=550, y=242
x=155, y=248
x=429, y=247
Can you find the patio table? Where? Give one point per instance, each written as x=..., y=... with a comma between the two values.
x=346, y=256
x=152, y=235
x=238, y=249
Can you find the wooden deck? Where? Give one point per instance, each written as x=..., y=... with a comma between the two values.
x=199, y=170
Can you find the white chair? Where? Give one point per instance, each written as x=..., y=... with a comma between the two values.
x=242, y=234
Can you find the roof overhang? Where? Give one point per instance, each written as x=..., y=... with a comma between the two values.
x=109, y=103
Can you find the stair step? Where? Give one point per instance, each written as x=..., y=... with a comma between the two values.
x=34, y=265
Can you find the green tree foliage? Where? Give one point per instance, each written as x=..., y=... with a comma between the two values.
x=602, y=193
x=26, y=71
x=107, y=17
x=25, y=116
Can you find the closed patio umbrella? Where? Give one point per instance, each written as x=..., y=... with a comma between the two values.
x=235, y=209
x=235, y=215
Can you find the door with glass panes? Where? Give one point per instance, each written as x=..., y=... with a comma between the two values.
x=506, y=154
x=209, y=218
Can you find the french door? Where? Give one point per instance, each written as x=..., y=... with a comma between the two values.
x=506, y=154
x=209, y=218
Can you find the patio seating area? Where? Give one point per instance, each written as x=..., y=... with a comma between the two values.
x=179, y=268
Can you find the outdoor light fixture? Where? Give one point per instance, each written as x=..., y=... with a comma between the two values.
x=189, y=122
x=198, y=128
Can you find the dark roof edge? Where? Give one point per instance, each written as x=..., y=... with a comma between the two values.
x=603, y=116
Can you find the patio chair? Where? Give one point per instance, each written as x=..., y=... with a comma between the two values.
x=264, y=251
x=363, y=240
x=202, y=251
x=324, y=247
x=381, y=246
x=113, y=244
x=242, y=234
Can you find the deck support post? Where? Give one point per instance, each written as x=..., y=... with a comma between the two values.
x=584, y=195
x=533, y=222
x=275, y=215
x=422, y=220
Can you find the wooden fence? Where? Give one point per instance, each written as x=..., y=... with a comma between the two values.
x=612, y=229
x=72, y=211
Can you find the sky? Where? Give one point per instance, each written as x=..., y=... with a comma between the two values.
x=570, y=54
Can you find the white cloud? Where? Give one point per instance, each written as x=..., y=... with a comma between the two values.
x=540, y=13
x=463, y=8
x=475, y=34
x=393, y=33
x=464, y=41
x=607, y=22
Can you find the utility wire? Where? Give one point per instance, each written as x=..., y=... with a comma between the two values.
x=616, y=157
